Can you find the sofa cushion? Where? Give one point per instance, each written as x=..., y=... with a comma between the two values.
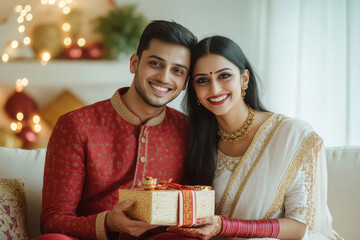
x=13, y=224
x=27, y=165
x=343, y=165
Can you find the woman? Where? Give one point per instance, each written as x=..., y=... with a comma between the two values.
x=265, y=167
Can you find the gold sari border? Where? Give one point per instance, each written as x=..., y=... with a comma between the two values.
x=269, y=121
x=302, y=155
x=248, y=175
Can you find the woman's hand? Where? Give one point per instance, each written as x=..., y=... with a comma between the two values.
x=205, y=228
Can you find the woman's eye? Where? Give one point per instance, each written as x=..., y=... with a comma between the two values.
x=201, y=80
x=224, y=76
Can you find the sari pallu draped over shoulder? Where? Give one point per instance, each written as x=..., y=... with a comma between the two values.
x=282, y=174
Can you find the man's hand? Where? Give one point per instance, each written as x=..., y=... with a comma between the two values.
x=207, y=228
x=117, y=221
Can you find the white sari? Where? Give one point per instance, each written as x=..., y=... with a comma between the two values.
x=282, y=174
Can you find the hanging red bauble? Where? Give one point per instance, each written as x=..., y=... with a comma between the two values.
x=74, y=52
x=95, y=51
x=20, y=102
x=28, y=136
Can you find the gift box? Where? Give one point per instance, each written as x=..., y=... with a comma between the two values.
x=169, y=207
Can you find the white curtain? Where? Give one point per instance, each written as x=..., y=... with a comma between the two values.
x=308, y=59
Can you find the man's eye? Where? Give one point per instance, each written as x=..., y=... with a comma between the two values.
x=155, y=63
x=224, y=76
x=178, y=71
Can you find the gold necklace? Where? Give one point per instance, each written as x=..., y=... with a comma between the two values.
x=242, y=132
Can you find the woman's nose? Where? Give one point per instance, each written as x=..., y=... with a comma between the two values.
x=215, y=87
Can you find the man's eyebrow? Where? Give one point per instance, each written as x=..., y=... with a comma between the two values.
x=176, y=64
x=157, y=57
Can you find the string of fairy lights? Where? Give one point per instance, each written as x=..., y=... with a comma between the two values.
x=24, y=16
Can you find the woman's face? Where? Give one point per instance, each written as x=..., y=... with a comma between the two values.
x=217, y=83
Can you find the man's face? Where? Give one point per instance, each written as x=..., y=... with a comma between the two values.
x=162, y=72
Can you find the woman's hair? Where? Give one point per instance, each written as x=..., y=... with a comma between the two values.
x=203, y=139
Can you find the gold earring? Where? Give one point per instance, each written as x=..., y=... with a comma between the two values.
x=243, y=92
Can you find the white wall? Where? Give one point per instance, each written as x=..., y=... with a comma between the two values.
x=265, y=30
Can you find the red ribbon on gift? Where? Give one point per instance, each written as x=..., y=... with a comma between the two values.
x=187, y=205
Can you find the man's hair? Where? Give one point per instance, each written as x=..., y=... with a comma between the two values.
x=169, y=32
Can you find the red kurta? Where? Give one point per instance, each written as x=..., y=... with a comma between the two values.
x=97, y=149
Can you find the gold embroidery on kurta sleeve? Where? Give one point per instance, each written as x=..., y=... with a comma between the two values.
x=100, y=226
x=306, y=158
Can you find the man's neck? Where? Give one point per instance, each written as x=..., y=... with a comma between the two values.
x=138, y=106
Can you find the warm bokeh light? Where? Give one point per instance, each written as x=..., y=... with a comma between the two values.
x=19, y=83
x=21, y=28
x=51, y=2
x=67, y=41
x=24, y=82
x=13, y=126
x=18, y=8
x=66, y=10
x=69, y=1
x=20, y=19
x=66, y=27
x=27, y=41
x=23, y=13
x=81, y=42
x=14, y=44
x=46, y=56
x=19, y=116
x=27, y=8
x=36, y=119
x=19, y=125
x=62, y=4
x=44, y=2
x=29, y=17
x=5, y=57
x=37, y=127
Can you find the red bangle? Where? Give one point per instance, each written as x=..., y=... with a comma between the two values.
x=263, y=228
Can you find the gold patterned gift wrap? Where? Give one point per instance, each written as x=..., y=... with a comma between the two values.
x=169, y=207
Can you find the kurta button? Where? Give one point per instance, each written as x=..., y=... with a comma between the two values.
x=139, y=183
x=143, y=140
x=142, y=159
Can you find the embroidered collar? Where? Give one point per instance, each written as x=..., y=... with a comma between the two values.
x=121, y=108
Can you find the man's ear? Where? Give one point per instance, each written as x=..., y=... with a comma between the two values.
x=134, y=62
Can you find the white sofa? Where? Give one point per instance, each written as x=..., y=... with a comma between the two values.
x=343, y=188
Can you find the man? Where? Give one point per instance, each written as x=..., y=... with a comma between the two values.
x=112, y=144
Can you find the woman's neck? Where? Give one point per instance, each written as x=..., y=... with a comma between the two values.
x=234, y=119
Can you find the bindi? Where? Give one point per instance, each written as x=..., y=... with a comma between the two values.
x=210, y=72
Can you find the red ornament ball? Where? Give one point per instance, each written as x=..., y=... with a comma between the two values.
x=95, y=51
x=74, y=52
x=20, y=102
